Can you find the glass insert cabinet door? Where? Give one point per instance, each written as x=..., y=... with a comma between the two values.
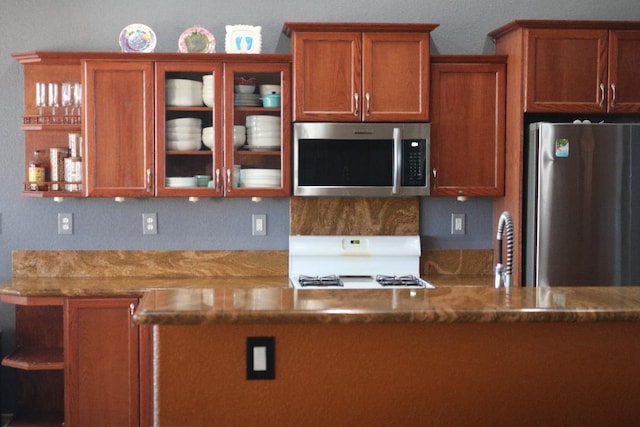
x=257, y=129
x=188, y=130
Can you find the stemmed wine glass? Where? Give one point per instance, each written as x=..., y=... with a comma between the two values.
x=67, y=95
x=77, y=100
x=53, y=99
x=41, y=99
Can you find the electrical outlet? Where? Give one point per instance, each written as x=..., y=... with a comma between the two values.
x=261, y=358
x=259, y=225
x=458, y=223
x=65, y=223
x=149, y=223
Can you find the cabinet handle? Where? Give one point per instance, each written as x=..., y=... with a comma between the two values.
x=229, y=180
x=613, y=95
x=132, y=309
x=148, y=180
x=356, y=104
x=367, y=96
x=217, y=183
x=602, y=95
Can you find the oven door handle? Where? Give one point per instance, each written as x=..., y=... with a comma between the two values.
x=397, y=160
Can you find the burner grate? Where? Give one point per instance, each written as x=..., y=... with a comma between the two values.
x=324, y=281
x=408, y=280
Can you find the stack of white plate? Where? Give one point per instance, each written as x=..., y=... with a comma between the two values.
x=246, y=99
x=183, y=92
x=260, y=178
x=181, y=181
x=184, y=134
x=263, y=132
x=207, y=90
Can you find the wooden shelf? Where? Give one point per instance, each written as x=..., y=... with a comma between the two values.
x=35, y=359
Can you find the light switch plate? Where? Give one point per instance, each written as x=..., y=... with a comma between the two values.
x=261, y=358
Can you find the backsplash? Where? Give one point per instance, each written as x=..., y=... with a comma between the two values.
x=354, y=216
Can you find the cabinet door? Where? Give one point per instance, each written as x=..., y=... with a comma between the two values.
x=118, y=158
x=175, y=155
x=101, y=363
x=624, y=69
x=395, y=77
x=326, y=70
x=468, y=128
x=259, y=164
x=566, y=70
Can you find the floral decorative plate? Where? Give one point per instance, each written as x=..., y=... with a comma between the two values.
x=196, y=40
x=243, y=39
x=137, y=38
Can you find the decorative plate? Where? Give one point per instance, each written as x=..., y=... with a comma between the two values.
x=137, y=38
x=196, y=40
x=243, y=39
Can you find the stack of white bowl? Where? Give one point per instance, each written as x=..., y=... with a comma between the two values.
x=207, y=137
x=181, y=181
x=184, y=134
x=263, y=132
x=207, y=90
x=239, y=135
x=260, y=178
x=183, y=92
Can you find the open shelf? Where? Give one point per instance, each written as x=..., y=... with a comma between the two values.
x=35, y=359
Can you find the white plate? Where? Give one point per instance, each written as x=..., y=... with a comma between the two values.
x=137, y=38
x=196, y=40
x=243, y=39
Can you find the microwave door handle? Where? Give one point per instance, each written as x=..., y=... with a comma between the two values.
x=397, y=160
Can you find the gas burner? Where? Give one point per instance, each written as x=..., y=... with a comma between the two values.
x=324, y=281
x=398, y=281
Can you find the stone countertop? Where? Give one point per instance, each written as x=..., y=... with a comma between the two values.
x=132, y=286
x=446, y=304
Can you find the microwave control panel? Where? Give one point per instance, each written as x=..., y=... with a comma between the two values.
x=414, y=162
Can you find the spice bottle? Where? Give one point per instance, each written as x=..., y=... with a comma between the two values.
x=37, y=172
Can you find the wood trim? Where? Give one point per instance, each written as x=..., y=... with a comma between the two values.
x=289, y=27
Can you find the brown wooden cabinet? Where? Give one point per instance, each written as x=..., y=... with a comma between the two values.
x=102, y=362
x=123, y=122
x=118, y=131
x=468, y=125
x=573, y=59
x=582, y=70
x=80, y=361
x=360, y=72
x=38, y=360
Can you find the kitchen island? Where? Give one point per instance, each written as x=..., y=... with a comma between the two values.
x=463, y=355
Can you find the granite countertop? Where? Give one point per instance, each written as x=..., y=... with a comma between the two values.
x=441, y=305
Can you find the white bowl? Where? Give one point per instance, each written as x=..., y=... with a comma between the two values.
x=262, y=119
x=207, y=99
x=185, y=121
x=183, y=83
x=184, y=97
x=208, y=141
x=184, y=144
x=245, y=88
x=207, y=79
x=239, y=140
x=269, y=90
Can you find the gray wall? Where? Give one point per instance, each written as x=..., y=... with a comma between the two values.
x=91, y=25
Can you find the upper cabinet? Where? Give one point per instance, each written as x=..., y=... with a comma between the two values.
x=468, y=96
x=161, y=124
x=578, y=66
x=118, y=130
x=360, y=72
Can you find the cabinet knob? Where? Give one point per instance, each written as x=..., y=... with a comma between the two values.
x=613, y=95
x=356, y=104
x=132, y=310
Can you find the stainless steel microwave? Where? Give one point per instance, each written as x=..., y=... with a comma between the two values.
x=361, y=159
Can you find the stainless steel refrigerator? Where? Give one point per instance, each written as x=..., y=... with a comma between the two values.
x=582, y=205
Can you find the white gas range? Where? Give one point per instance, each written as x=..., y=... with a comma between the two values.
x=355, y=262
